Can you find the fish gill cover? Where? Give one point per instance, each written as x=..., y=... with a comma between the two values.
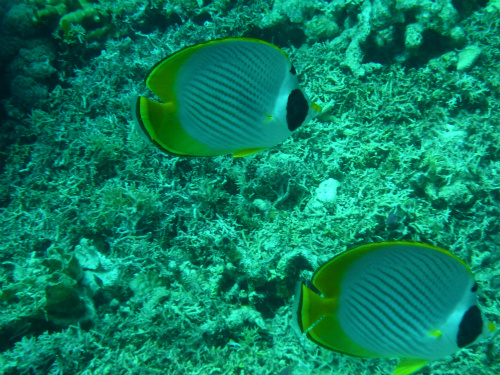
x=118, y=259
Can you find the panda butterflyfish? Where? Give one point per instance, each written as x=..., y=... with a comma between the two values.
x=229, y=96
x=393, y=299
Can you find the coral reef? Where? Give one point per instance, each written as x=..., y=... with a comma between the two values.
x=375, y=31
x=428, y=28
x=118, y=259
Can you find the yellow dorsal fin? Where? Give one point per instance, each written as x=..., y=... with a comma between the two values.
x=409, y=366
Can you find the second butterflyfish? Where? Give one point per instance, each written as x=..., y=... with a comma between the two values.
x=393, y=299
x=229, y=96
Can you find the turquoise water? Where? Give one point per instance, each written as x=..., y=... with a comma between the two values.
x=118, y=259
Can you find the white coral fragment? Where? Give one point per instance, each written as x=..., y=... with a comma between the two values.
x=468, y=57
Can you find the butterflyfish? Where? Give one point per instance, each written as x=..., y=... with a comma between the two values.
x=229, y=96
x=403, y=300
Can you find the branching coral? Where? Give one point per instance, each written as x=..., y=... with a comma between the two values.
x=188, y=265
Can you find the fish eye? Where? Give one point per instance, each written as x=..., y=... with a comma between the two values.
x=474, y=288
x=296, y=109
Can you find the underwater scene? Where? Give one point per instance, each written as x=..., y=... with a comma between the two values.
x=286, y=187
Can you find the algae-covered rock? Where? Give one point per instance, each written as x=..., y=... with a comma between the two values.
x=98, y=271
x=321, y=27
x=66, y=304
x=64, y=14
x=324, y=198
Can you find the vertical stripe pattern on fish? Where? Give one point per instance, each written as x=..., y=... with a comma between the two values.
x=393, y=299
x=230, y=96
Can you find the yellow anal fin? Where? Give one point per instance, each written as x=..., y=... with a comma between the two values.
x=409, y=366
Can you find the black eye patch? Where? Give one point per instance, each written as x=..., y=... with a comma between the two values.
x=470, y=327
x=296, y=109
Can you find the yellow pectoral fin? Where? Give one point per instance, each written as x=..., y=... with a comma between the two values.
x=316, y=108
x=491, y=327
x=409, y=366
x=436, y=333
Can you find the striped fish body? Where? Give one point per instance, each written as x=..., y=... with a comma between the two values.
x=229, y=96
x=393, y=299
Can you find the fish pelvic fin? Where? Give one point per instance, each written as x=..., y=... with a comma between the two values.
x=250, y=151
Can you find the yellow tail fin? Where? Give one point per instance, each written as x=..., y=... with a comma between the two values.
x=311, y=308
